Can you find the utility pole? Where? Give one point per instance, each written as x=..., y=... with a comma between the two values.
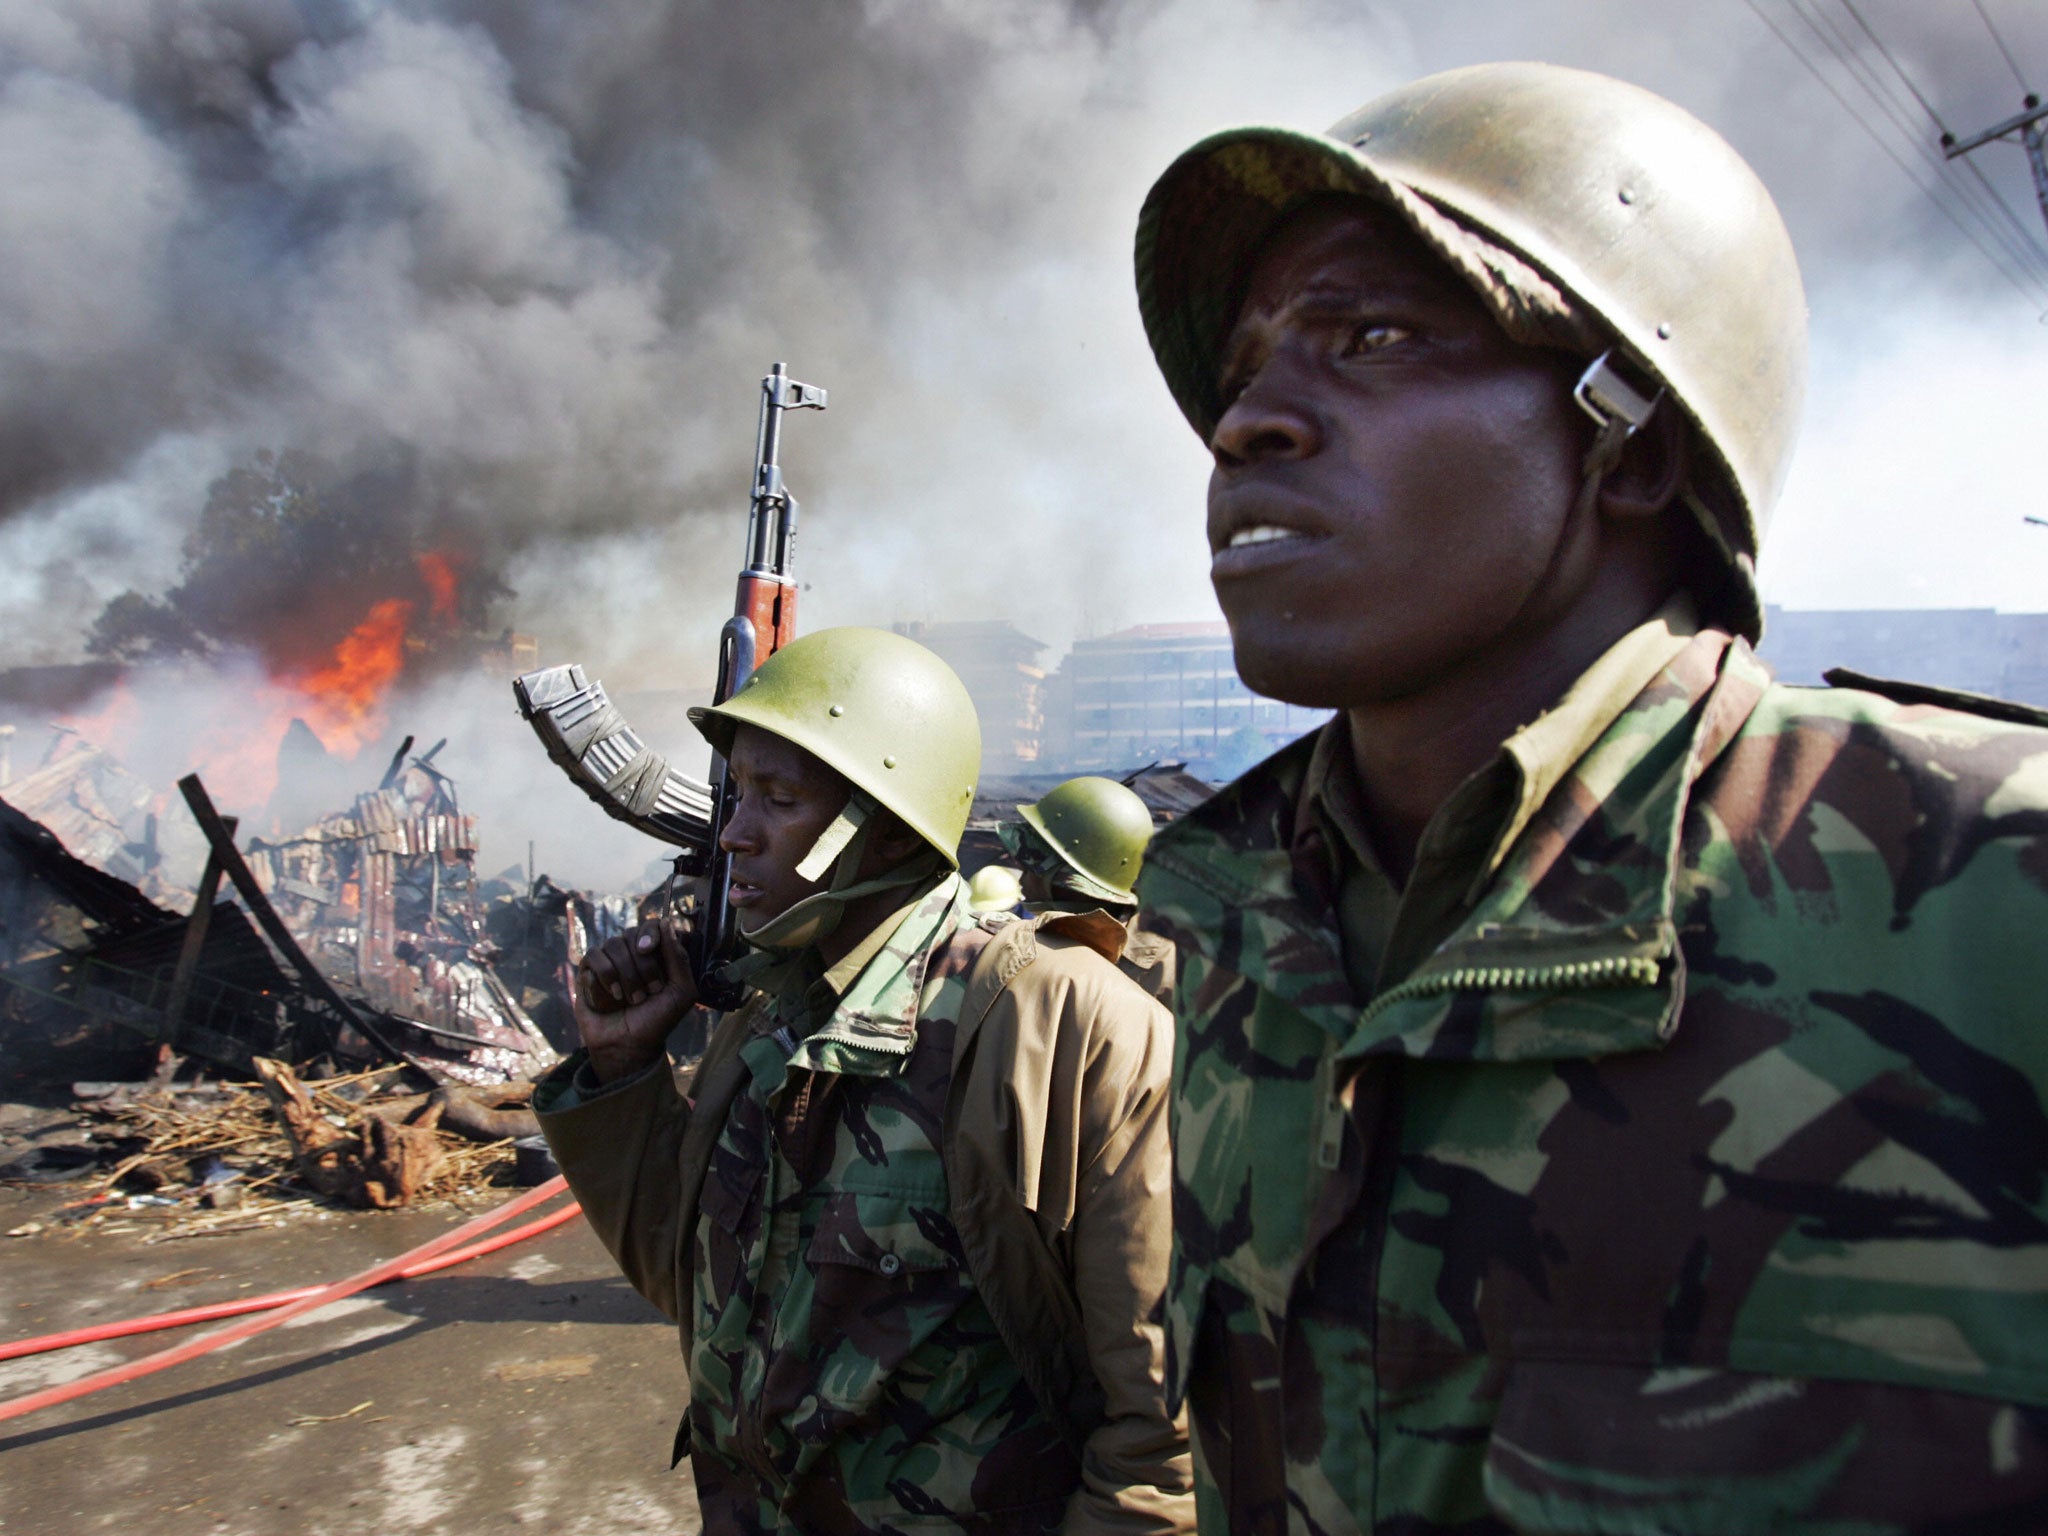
x=2027, y=124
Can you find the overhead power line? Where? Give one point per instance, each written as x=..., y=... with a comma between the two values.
x=2016, y=237
x=2012, y=63
x=1974, y=207
x=1897, y=68
x=1994, y=216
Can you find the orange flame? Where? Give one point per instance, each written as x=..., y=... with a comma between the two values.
x=439, y=574
x=232, y=735
x=342, y=697
x=118, y=719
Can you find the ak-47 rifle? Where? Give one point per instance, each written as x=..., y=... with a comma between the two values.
x=585, y=733
x=762, y=622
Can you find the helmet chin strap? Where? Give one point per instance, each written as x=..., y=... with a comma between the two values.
x=838, y=848
x=1620, y=408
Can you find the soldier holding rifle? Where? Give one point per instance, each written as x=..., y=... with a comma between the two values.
x=911, y=1216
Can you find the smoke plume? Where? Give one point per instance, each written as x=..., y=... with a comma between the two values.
x=508, y=272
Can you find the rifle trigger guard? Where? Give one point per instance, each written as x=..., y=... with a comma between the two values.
x=717, y=990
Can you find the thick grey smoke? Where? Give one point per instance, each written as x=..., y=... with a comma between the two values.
x=526, y=259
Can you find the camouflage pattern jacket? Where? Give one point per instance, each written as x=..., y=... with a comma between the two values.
x=915, y=1253
x=1697, y=1183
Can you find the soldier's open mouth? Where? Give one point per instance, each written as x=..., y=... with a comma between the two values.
x=1255, y=548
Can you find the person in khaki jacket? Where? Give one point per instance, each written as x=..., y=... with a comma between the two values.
x=911, y=1214
x=1081, y=847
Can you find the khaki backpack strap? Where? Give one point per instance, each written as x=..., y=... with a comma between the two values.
x=719, y=1078
x=1023, y=1281
x=1013, y=946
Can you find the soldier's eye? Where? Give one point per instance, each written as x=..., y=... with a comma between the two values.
x=1374, y=336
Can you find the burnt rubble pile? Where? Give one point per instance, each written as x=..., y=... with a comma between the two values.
x=103, y=815
x=364, y=939
x=383, y=899
x=179, y=1160
x=380, y=1013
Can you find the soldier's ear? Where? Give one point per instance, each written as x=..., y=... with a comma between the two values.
x=891, y=839
x=1653, y=465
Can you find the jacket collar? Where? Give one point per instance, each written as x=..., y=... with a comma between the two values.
x=873, y=1026
x=1102, y=931
x=1547, y=750
x=1578, y=916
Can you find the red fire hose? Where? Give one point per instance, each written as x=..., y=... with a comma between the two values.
x=217, y=1311
x=448, y=1248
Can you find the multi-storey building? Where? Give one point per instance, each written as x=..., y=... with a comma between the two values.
x=999, y=664
x=1979, y=650
x=1163, y=692
x=1170, y=692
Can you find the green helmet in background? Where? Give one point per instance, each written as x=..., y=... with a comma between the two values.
x=879, y=710
x=1587, y=214
x=994, y=888
x=1098, y=829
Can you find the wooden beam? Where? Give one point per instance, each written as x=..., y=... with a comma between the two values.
x=310, y=975
x=195, y=940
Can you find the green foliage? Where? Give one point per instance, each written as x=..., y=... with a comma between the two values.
x=134, y=627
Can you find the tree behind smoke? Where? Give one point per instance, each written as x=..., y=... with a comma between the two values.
x=285, y=559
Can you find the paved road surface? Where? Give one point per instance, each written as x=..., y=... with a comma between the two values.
x=530, y=1390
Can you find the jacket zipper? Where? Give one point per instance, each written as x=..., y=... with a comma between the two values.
x=1610, y=971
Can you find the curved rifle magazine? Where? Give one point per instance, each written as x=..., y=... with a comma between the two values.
x=585, y=734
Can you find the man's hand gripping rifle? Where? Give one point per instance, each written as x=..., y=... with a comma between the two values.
x=585, y=733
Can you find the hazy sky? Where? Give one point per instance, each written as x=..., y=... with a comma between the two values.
x=543, y=251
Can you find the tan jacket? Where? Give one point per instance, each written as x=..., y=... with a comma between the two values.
x=1147, y=958
x=1058, y=1170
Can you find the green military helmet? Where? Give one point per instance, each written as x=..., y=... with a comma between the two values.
x=878, y=709
x=994, y=888
x=1099, y=829
x=1561, y=197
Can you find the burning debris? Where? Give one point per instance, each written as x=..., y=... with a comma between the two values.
x=307, y=597
x=363, y=938
x=196, y=1160
x=384, y=899
x=356, y=933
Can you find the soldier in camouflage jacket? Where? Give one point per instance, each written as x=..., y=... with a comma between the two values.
x=1640, y=1127
x=911, y=1215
